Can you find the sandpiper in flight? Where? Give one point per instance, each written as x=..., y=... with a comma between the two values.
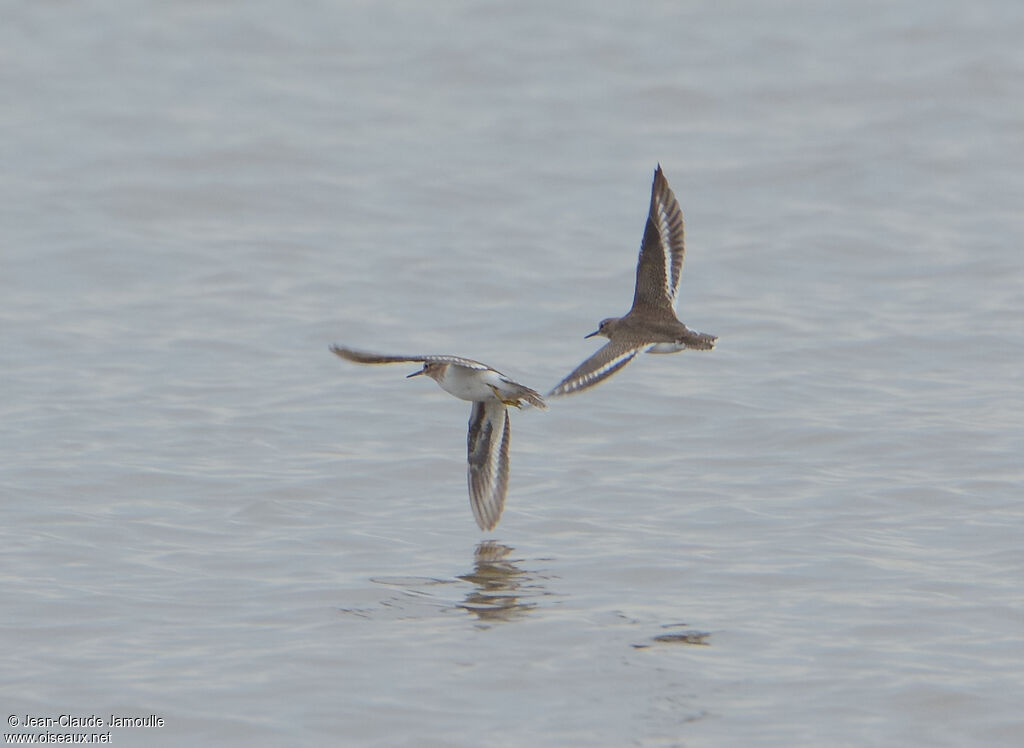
x=490, y=391
x=651, y=324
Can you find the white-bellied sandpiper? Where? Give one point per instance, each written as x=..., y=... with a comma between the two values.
x=491, y=392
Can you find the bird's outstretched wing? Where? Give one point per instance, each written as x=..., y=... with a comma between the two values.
x=661, y=252
x=487, y=447
x=608, y=360
x=362, y=357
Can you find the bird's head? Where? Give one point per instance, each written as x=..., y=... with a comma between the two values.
x=605, y=328
x=433, y=369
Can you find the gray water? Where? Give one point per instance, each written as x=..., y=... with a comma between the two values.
x=813, y=535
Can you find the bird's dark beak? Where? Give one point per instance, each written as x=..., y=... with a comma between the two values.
x=417, y=373
x=595, y=332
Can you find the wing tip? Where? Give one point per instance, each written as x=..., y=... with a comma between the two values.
x=340, y=352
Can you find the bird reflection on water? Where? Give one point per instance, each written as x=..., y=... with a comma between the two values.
x=503, y=592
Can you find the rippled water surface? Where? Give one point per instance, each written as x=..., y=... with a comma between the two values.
x=809, y=536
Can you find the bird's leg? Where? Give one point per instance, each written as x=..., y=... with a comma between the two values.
x=497, y=394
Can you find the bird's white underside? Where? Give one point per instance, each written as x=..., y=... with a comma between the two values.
x=474, y=384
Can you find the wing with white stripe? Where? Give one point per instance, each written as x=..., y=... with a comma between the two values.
x=660, y=263
x=608, y=360
x=487, y=448
x=362, y=357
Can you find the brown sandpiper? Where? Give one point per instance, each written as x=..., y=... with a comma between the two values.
x=651, y=324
